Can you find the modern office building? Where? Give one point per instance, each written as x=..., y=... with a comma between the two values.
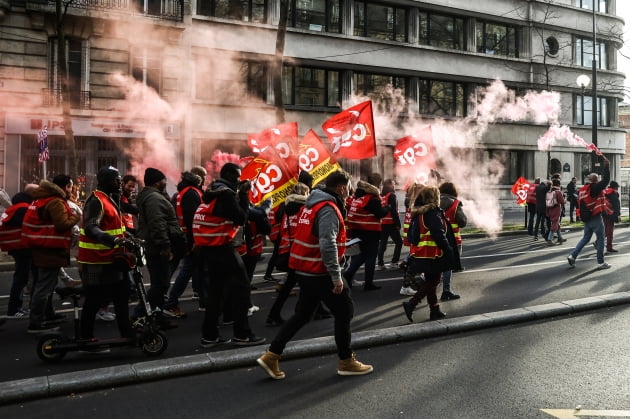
x=211, y=63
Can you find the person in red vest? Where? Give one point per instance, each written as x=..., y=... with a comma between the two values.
x=433, y=250
x=530, y=200
x=47, y=229
x=102, y=233
x=364, y=222
x=318, y=246
x=12, y=243
x=613, y=215
x=591, y=205
x=390, y=225
x=128, y=207
x=454, y=213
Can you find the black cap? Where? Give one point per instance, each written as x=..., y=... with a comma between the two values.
x=152, y=176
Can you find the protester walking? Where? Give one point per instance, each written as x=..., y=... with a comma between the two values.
x=554, y=201
x=454, y=213
x=612, y=196
x=572, y=197
x=390, y=226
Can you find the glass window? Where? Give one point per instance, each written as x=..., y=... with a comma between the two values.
x=442, y=98
x=147, y=67
x=379, y=21
x=77, y=64
x=389, y=93
x=601, y=5
x=315, y=15
x=584, y=111
x=584, y=53
x=244, y=10
x=497, y=39
x=441, y=31
x=242, y=80
x=308, y=86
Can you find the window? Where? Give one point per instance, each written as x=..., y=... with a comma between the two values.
x=244, y=10
x=441, y=31
x=388, y=93
x=307, y=86
x=516, y=162
x=315, y=15
x=441, y=98
x=146, y=67
x=230, y=82
x=601, y=5
x=497, y=39
x=77, y=64
x=374, y=20
x=584, y=53
x=584, y=111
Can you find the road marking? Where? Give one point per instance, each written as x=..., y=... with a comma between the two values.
x=572, y=413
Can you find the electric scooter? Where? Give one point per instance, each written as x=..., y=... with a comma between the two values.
x=149, y=338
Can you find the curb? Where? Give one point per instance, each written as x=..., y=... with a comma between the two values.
x=82, y=381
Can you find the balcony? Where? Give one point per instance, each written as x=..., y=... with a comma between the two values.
x=78, y=100
x=163, y=9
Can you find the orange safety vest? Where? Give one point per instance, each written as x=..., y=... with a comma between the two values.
x=210, y=230
x=388, y=219
x=287, y=232
x=361, y=219
x=305, y=254
x=179, y=211
x=531, y=194
x=255, y=246
x=275, y=226
x=11, y=237
x=450, y=216
x=406, y=224
x=93, y=252
x=426, y=248
x=42, y=233
x=596, y=205
x=127, y=218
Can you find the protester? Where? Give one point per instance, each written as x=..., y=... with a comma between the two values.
x=531, y=205
x=315, y=254
x=390, y=225
x=554, y=202
x=612, y=196
x=572, y=197
x=409, y=285
x=542, y=221
x=454, y=213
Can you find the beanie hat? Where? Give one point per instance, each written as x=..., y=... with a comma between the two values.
x=152, y=176
x=192, y=179
x=106, y=174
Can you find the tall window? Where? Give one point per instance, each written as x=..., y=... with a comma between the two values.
x=497, y=39
x=442, y=98
x=315, y=15
x=441, y=31
x=516, y=162
x=146, y=67
x=584, y=111
x=601, y=5
x=230, y=82
x=77, y=64
x=244, y=10
x=375, y=20
x=389, y=93
x=584, y=53
x=307, y=86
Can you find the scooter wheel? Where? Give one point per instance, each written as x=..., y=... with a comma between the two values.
x=45, y=347
x=154, y=344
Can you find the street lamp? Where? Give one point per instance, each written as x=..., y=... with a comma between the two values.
x=594, y=160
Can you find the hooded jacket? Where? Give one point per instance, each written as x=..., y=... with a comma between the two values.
x=190, y=201
x=157, y=222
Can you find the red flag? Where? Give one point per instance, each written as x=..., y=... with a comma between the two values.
x=283, y=137
x=315, y=158
x=351, y=132
x=415, y=156
x=42, y=145
x=270, y=177
x=519, y=189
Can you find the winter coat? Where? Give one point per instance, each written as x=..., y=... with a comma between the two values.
x=554, y=213
x=460, y=217
x=157, y=222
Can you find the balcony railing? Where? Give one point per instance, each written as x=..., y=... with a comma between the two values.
x=164, y=9
x=78, y=100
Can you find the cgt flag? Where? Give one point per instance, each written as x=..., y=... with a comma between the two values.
x=282, y=137
x=519, y=189
x=270, y=177
x=351, y=132
x=42, y=145
x=315, y=158
x=415, y=157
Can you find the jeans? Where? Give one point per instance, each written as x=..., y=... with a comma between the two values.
x=369, y=250
x=389, y=230
x=41, y=298
x=23, y=267
x=594, y=225
x=188, y=269
x=160, y=279
x=313, y=290
x=542, y=221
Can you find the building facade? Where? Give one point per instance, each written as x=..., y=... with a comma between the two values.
x=211, y=63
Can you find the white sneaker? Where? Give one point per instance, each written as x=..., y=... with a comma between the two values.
x=381, y=267
x=252, y=310
x=604, y=266
x=407, y=291
x=105, y=316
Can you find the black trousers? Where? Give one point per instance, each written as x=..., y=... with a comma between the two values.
x=313, y=290
x=387, y=231
x=96, y=296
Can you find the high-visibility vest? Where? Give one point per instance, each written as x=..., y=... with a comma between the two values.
x=93, y=252
x=388, y=219
x=596, y=205
x=426, y=247
x=41, y=233
x=253, y=246
x=275, y=226
x=531, y=194
x=127, y=219
x=287, y=232
x=305, y=254
x=210, y=230
x=406, y=224
x=11, y=236
x=361, y=219
x=179, y=211
x=450, y=217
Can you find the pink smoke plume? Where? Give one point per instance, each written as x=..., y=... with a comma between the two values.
x=563, y=132
x=219, y=158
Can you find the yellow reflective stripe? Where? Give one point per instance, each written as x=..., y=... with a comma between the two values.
x=115, y=232
x=96, y=246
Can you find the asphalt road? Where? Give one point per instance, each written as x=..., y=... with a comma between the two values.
x=508, y=272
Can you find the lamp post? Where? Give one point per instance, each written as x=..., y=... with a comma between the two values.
x=594, y=160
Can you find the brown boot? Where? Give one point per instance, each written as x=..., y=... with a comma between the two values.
x=351, y=366
x=269, y=362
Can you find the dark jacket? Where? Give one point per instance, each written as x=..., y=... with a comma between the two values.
x=231, y=203
x=572, y=192
x=157, y=222
x=446, y=201
x=190, y=202
x=56, y=212
x=615, y=204
x=392, y=203
x=541, y=197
